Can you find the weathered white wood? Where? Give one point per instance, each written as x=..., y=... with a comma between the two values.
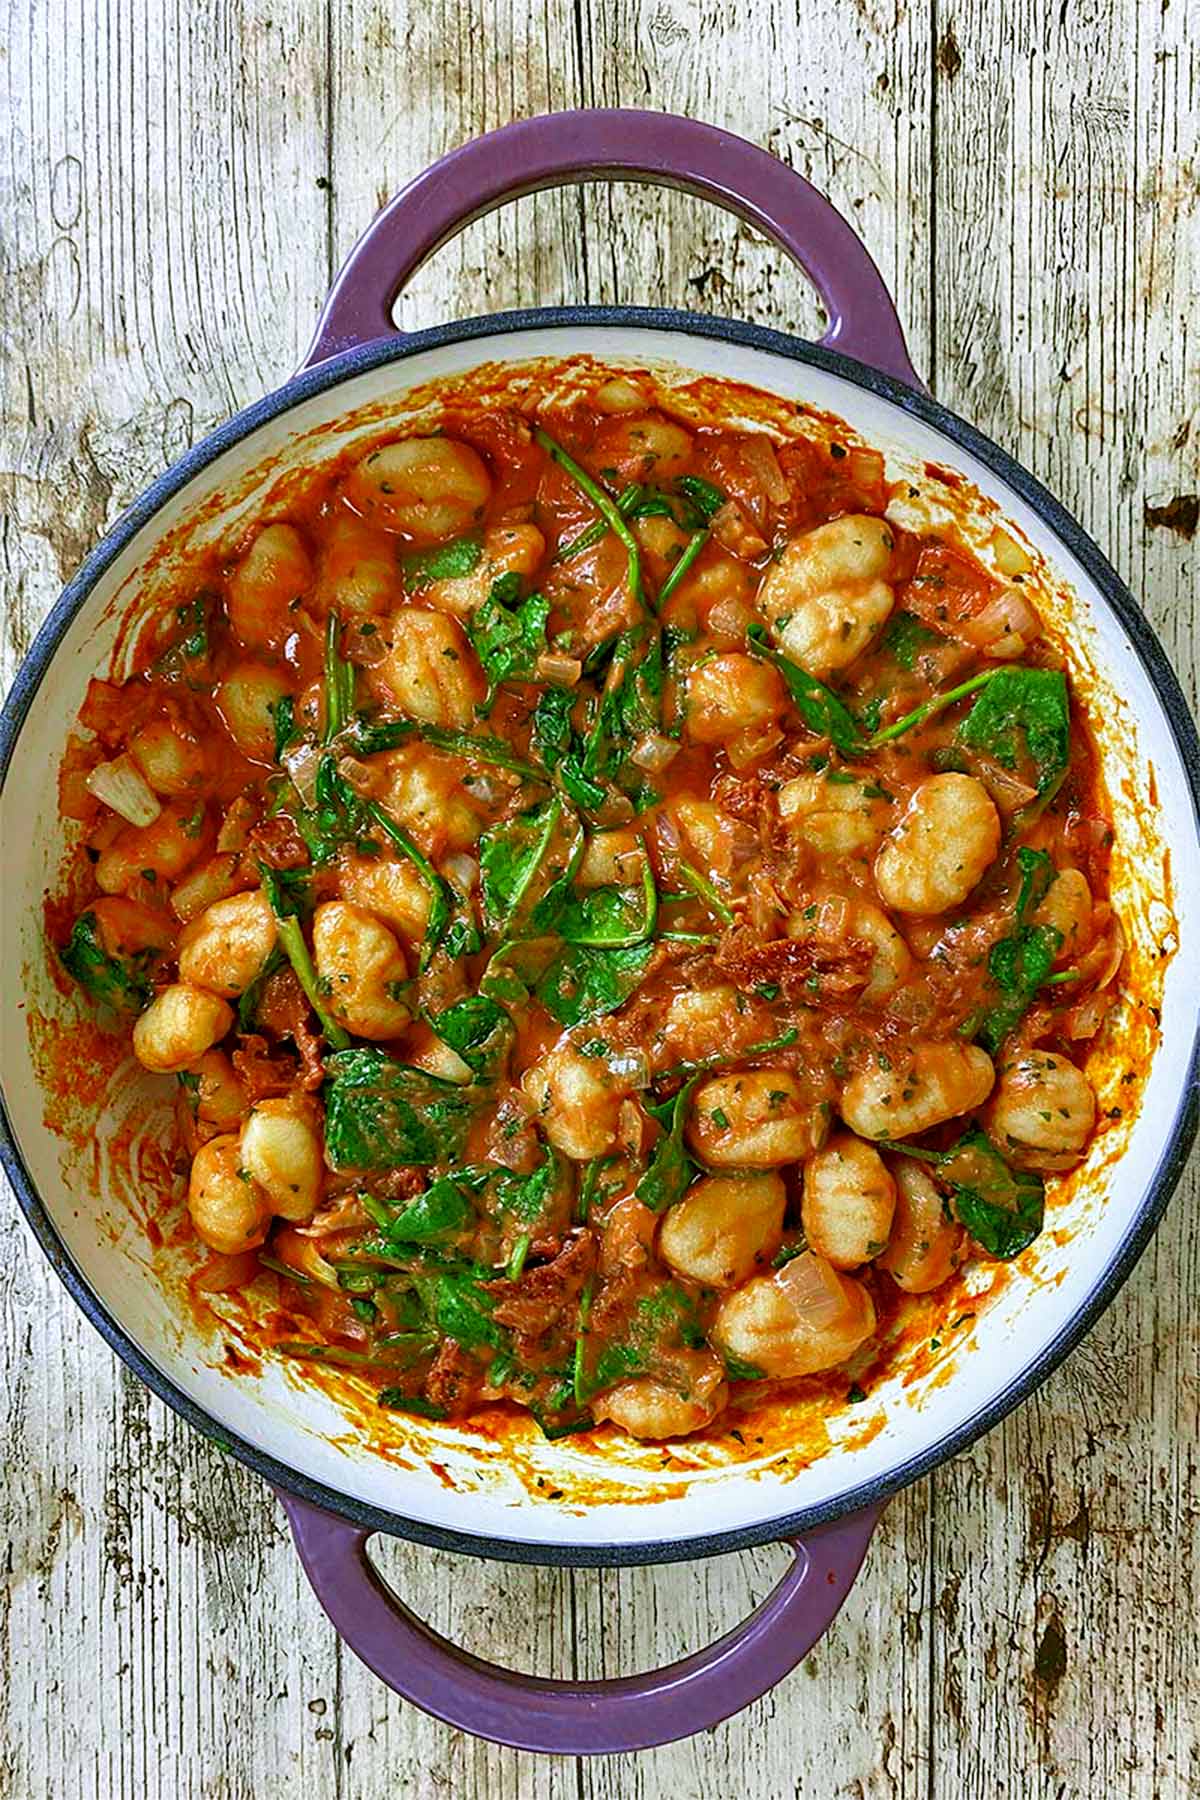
x=181, y=182
x=1068, y=255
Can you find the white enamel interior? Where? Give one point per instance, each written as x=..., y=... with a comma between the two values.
x=299, y=1426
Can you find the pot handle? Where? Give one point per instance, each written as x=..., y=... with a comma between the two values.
x=577, y=1718
x=558, y=148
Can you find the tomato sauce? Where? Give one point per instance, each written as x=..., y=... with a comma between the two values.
x=625, y=916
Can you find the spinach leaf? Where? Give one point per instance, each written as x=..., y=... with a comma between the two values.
x=604, y=505
x=609, y=916
x=526, y=863
x=247, y=1006
x=480, y=1031
x=705, y=500
x=340, y=681
x=193, y=639
x=287, y=890
x=584, y=983
x=931, y=708
x=449, y=562
x=905, y=635
x=661, y=1321
x=442, y=1211
x=509, y=636
x=670, y=1171
x=381, y=1114
x=529, y=1198
x=461, y=1308
x=1022, y=718
x=561, y=749
x=1022, y=961
x=283, y=715
x=1001, y=1207
x=818, y=705
x=120, y=982
x=367, y=737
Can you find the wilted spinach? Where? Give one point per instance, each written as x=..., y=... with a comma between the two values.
x=381, y=1114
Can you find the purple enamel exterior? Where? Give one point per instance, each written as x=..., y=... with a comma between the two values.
x=637, y=1711
x=560, y=148
x=578, y=1718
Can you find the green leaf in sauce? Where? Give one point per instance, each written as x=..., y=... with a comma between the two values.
x=122, y=982
x=820, y=708
x=583, y=983
x=1000, y=1206
x=670, y=1171
x=382, y=1114
x=1023, y=719
x=509, y=634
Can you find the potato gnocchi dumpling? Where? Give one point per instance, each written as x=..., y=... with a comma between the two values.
x=616, y=913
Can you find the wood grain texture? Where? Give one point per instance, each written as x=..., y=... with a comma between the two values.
x=178, y=184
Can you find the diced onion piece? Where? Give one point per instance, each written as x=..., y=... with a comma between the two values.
x=105, y=708
x=630, y=1066
x=619, y=396
x=560, y=670
x=813, y=1288
x=213, y=880
x=356, y=774
x=752, y=745
x=729, y=618
x=1004, y=629
x=736, y=531
x=462, y=870
x=654, y=753
x=235, y=826
x=301, y=1254
x=758, y=455
x=1011, y=559
x=865, y=468
x=301, y=762
x=1084, y=1021
x=122, y=786
x=1008, y=793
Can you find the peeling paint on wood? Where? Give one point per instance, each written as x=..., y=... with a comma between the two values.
x=181, y=183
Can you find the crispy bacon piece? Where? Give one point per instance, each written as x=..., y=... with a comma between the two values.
x=804, y=968
x=454, y=1381
x=543, y=1295
x=276, y=842
x=263, y=1075
x=285, y=1012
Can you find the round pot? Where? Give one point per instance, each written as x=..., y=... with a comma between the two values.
x=75, y=1190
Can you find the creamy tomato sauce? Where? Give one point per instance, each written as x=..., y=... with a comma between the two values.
x=621, y=912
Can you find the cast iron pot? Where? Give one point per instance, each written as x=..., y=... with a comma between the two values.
x=336, y=1495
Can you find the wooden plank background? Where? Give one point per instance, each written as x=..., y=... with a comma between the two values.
x=179, y=183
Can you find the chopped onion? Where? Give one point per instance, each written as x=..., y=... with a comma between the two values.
x=1084, y=1021
x=736, y=532
x=654, y=753
x=758, y=454
x=234, y=833
x=463, y=871
x=562, y=671
x=815, y=1291
x=301, y=763
x=865, y=468
x=122, y=786
x=619, y=396
x=630, y=1066
x=356, y=774
x=1011, y=559
x=300, y=1253
x=213, y=880
x=1008, y=793
x=1005, y=628
x=729, y=618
